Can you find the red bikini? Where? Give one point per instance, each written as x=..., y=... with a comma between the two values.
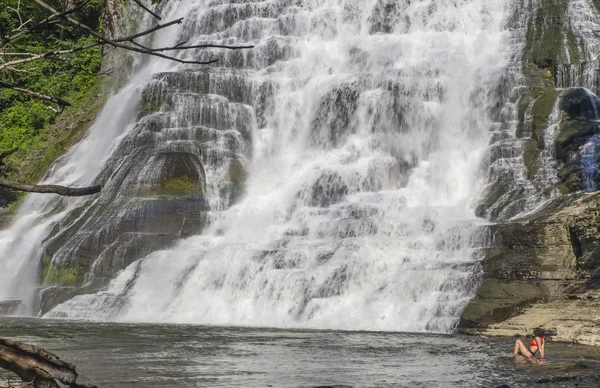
x=533, y=343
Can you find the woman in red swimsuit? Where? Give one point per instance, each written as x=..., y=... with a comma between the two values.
x=537, y=343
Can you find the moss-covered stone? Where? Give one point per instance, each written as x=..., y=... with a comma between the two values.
x=548, y=30
x=551, y=48
x=541, y=110
x=64, y=274
x=181, y=185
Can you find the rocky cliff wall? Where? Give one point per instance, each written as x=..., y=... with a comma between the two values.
x=545, y=271
x=543, y=268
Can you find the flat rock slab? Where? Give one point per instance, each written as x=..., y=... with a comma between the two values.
x=574, y=321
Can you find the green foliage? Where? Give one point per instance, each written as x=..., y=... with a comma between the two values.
x=25, y=122
x=62, y=274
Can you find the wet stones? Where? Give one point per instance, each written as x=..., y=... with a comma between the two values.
x=383, y=16
x=334, y=118
x=328, y=189
x=550, y=256
x=187, y=148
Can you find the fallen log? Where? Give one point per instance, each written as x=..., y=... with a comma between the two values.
x=35, y=366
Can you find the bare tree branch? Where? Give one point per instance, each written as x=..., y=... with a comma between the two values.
x=138, y=2
x=53, y=189
x=48, y=55
x=202, y=46
x=149, y=31
x=7, y=153
x=41, y=23
x=33, y=94
x=117, y=44
x=5, y=54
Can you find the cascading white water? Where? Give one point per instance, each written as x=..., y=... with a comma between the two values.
x=358, y=206
x=362, y=177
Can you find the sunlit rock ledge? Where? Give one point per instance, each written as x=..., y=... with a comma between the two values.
x=543, y=270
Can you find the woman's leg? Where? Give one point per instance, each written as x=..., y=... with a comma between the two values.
x=520, y=347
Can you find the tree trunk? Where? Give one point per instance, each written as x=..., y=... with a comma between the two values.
x=33, y=364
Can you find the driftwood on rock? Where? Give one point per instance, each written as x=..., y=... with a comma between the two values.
x=55, y=189
x=36, y=366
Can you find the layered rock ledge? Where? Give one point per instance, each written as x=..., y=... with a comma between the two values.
x=543, y=270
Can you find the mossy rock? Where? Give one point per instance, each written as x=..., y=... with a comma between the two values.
x=531, y=158
x=541, y=110
x=64, y=274
x=178, y=186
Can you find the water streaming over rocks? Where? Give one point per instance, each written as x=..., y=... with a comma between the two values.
x=555, y=48
x=328, y=176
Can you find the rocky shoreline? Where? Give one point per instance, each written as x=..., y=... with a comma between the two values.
x=542, y=271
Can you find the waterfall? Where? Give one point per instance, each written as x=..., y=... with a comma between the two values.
x=331, y=172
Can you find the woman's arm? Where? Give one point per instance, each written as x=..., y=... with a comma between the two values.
x=540, y=346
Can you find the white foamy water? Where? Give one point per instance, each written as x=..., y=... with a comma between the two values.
x=358, y=212
x=364, y=167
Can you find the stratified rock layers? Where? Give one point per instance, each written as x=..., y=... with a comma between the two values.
x=548, y=269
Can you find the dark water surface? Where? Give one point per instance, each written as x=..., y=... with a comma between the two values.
x=127, y=355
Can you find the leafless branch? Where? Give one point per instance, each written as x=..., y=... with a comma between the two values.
x=120, y=45
x=138, y=2
x=7, y=153
x=5, y=54
x=55, y=15
x=34, y=94
x=202, y=46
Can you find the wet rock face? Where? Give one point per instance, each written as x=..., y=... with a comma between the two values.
x=577, y=149
x=184, y=158
x=526, y=165
x=551, y=257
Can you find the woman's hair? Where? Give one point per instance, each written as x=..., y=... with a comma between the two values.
x=539, y=332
